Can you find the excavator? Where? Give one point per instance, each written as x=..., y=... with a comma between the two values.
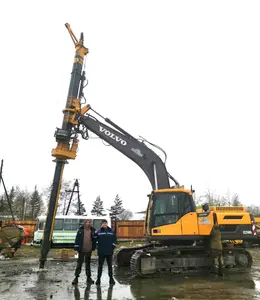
x=173, y=226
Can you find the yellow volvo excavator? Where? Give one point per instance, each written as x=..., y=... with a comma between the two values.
x=172, y=223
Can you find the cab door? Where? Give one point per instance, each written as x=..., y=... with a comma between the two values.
x=148, y=217
x=189, y=224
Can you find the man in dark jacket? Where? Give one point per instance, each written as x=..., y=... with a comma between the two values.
x=106, y=243
x=85, y=243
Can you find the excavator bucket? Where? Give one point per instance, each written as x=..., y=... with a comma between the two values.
x=11, y=237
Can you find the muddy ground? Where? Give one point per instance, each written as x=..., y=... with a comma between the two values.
x=20, y=278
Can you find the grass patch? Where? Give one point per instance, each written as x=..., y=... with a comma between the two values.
x=31, y=252
x=27, y=251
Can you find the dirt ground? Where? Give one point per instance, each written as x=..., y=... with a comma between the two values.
x=20, y=278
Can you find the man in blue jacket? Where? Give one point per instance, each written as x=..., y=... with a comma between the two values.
x=85, y=243
x=106, y=243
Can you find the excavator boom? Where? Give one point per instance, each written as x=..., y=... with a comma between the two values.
x=137, y=151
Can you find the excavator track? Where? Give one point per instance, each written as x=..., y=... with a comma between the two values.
x=123, y=255
x=149, y=262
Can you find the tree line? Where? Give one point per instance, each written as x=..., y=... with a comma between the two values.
x=25, y=205
x=29, y=205
x=77, y=207
x=213, y=199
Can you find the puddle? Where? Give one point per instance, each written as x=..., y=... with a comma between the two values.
x=23, y=280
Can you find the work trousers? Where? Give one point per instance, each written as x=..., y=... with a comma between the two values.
x=83, y=256
x=217, y=261
x=101, y=260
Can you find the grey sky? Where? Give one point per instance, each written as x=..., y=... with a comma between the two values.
x=182, y=74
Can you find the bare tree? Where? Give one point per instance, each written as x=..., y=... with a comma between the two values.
x=214, y=199
x=255, y=210
x=125, y=215
x=20, y=203
x=64, y=196
x=235, y=200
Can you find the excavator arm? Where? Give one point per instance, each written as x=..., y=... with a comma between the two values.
x=136, y=150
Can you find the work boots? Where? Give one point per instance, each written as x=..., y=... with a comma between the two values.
x=214, y=271
x=99, y=275
x=75, y=281
x=220, y=271
x=217, y=271
x=89, y=280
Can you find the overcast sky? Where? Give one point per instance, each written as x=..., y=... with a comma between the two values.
x=183, y=74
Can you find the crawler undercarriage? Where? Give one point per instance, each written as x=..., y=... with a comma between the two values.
x=150, y=259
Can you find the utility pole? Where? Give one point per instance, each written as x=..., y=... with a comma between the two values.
x=6, y=193
x=66, y=137
x=1, y=170
x=23, y=209
x=76, y=185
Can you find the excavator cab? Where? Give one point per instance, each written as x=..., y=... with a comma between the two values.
x=172, y=219
x=171, y=216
